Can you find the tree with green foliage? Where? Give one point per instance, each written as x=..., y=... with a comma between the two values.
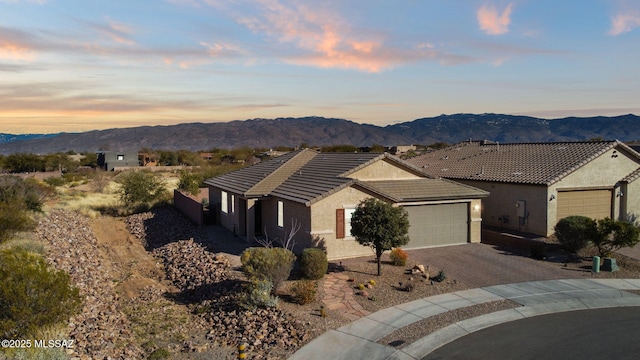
x=32, y=295
x=137, y=187
x=380, y=225
x=18, y=163
x=613, y=235
x=575, y=232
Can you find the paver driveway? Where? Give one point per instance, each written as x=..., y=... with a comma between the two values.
x=478, y=265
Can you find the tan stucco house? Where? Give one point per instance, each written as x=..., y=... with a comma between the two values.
x=534, y=185
x=320, y=191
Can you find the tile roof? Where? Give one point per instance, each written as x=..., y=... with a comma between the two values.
x=422, y=190
x=307, y=176
x=527, y=163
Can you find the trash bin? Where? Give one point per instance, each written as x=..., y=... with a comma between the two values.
x=596, y=264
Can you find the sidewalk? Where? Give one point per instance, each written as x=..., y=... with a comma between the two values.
x=357, y=339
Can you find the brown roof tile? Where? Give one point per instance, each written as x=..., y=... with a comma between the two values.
x=530, y=163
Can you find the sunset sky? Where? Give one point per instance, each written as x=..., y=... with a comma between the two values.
x=94, y=64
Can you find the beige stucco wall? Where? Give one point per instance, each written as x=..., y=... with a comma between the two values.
x=630, y=202
x=323, y=223
x=475, y=221
x=229, y=220
x=603, y=172
x=292, y=212
x=502, y=202
x=383, y=170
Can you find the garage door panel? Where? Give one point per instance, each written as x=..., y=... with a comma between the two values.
x=436, y=225
x=595, y=204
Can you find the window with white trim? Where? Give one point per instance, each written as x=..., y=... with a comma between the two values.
x=233, y=204
x=280, y=214
x=223, y=202
x=347, y=221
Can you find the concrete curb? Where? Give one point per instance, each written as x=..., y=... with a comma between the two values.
x=537, y=297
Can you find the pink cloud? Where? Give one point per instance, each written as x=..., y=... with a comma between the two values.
x=623, y=23
x=15, y=51
x=493, y=22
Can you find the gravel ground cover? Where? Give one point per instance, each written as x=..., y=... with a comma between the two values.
x=187, y=303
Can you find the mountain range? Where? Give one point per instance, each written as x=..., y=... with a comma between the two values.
x=329, y=131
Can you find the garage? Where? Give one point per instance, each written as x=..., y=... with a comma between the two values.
x=595, y=204
x=437, y=225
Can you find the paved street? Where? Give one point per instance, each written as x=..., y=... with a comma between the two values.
x=587, y=334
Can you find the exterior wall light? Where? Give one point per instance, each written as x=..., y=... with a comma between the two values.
x=553, y=196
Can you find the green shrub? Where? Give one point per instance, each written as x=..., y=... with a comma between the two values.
x=398, y=257
x=304, y=291
x=140, y=187
x=313, y=263
x=614, y=235
x=32, y=295
x=161, y=353
x=55, y=181
x=575, y=232
x=273, y=264
x=258, y=294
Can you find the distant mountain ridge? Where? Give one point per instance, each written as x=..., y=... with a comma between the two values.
x=330, y=131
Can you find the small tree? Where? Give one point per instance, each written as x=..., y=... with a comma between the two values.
x=614, y=235
x=140, y=187
x=380, y=225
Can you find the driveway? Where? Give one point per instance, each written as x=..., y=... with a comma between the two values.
x=479, y=265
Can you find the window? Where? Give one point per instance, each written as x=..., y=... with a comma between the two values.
x=120, y=157
x=347, y=221
x=233, y=204
x=280, y=214
x=343, y=223
x=223, y=202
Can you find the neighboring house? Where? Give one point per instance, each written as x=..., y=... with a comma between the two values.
x=111, y=160
x=320, y=191
x=534, y=185
x=402, y=149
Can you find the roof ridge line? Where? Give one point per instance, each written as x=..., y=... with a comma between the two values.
x=282, y=173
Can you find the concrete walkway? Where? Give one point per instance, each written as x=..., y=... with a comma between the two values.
x=357, y=339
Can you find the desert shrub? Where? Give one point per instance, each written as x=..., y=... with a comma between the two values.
x=273, y=264
x=190, y=182
x=575, y=232
x=258, y=294
x=55, y=181
x=398, y=257
x=32, y=295
x=304, y=291
x=614, y=235
x=313, y=263
x=13, y=219
x=139, y=187
x=161, y=353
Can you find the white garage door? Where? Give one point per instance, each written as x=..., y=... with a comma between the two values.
x=436, y=225
x=595, y=204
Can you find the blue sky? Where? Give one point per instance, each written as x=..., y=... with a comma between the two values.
x=82, y=65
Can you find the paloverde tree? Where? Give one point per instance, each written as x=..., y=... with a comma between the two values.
x=380, y=225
